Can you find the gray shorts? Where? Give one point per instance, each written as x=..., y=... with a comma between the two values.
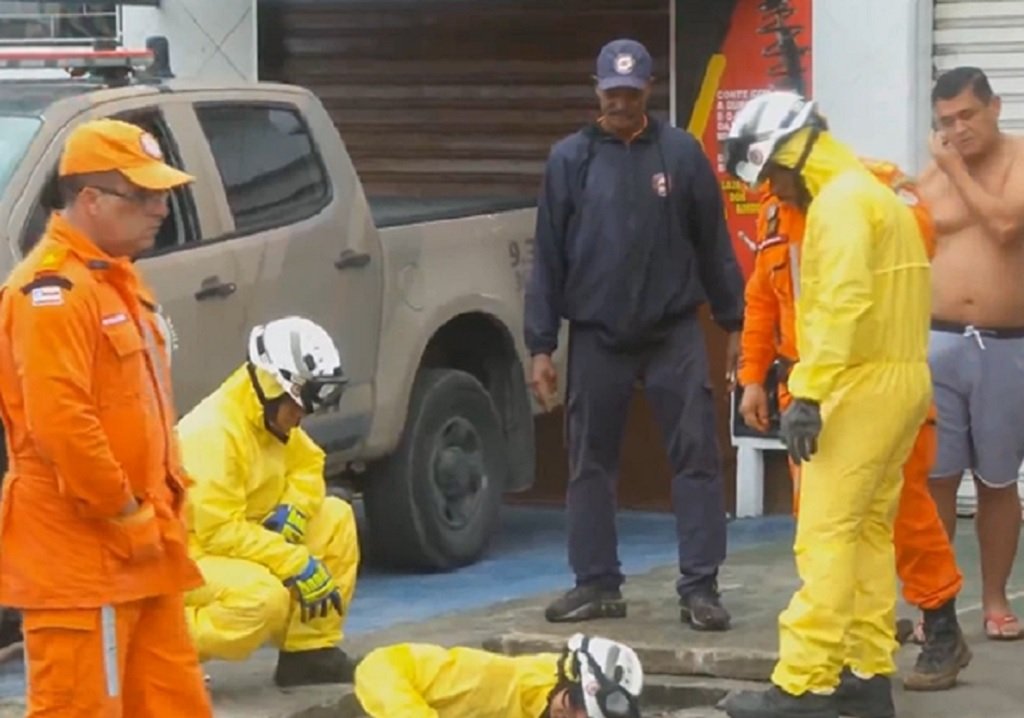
x=978, y=377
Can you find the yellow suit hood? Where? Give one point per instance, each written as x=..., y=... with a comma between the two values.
x=828, y=159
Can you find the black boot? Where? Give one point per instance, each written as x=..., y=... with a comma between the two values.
x=703, y=610
x=944, y=653
x=776, y=703
x=320, y=665
x=585, y=603
x=860, y=698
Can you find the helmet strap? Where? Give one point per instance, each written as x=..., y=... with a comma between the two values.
x=269, y=405
x=808, y=146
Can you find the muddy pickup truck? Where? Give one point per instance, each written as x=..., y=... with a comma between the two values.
x=424, y=298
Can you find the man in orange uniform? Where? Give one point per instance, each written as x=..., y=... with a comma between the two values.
x=925, y=559
x=94, y=544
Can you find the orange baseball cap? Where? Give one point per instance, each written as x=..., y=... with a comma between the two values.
x=108, y=145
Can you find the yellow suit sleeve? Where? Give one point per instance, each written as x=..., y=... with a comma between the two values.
x=305, y=488
x=836, y=291
x=387, y=685
x=218, y=467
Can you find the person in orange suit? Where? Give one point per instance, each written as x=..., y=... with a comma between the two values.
x=91, y=520
x=925, y=559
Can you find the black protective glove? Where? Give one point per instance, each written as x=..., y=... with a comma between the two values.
x=801, y=424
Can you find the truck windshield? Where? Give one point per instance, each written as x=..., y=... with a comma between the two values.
x=15, y=134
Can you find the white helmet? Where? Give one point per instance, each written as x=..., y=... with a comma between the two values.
x=302, y=358
x=610, y=676
x=761, y=126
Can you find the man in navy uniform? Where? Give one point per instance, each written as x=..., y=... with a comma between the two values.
x=631, y=239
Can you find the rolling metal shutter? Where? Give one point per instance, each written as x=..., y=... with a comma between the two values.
x=989, y=35
x=448, y=98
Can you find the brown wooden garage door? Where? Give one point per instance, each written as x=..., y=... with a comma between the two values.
x=442, y=98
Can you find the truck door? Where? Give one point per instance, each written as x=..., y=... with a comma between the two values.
x=193, y=278
x=317, y=251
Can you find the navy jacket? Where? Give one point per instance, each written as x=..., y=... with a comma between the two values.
x=629, y=238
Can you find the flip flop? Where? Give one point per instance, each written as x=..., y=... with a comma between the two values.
x=904, y=630
x=909, y=632
x=1003, y=628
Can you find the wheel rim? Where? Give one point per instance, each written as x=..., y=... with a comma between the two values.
x=458, y=473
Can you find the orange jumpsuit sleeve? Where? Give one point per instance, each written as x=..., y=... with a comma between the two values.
x=55, y=341
x=761, y=314
x=761, y=317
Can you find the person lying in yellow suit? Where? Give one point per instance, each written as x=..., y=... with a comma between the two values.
x=279, y=557
x=592, y=677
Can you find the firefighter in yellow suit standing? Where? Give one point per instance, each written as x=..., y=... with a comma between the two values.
x=860, y=392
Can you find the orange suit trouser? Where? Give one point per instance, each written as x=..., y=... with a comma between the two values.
x=925, y=561
x=119, y=661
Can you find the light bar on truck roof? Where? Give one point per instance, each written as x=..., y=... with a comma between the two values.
x=73, y=59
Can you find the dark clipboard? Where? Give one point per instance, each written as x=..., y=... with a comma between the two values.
x=739, y=428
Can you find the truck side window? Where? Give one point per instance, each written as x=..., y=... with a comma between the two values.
x=272, y=172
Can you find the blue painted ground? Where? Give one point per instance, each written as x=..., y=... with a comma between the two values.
x=528, y=557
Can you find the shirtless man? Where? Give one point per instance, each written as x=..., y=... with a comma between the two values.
x=975, y=190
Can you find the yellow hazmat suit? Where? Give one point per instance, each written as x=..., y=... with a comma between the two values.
x=241, y=473
x=415, y=680
x=862, y=335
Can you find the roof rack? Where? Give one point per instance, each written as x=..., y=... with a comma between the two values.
x=105, y=62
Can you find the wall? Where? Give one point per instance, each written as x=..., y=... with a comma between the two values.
x=211, y=39
x=865, y=72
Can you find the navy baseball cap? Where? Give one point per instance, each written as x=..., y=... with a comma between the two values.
x=623, y=63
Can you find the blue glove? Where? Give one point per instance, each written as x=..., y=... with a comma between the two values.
x=287, y=521
x=316, y=591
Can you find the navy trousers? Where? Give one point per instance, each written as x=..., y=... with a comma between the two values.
x=676, y=381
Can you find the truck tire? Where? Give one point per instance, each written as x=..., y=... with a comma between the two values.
x=433, y=504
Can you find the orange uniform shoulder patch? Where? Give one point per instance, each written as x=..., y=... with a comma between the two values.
x=47, y=290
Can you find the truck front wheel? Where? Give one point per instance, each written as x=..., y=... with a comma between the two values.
x=433, y=504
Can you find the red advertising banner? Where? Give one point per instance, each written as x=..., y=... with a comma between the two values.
x=766, y=42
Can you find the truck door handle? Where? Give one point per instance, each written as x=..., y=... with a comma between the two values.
x=352, y=259
x=213, y=287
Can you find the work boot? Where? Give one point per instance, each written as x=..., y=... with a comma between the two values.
x=703, y=610
x=320, y=665
x=864, y=698
x=585, y=603
x=944, y=653
x=776, y=703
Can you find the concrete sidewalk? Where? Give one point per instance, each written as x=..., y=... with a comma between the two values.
x=694, y=667
x=687, y=669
